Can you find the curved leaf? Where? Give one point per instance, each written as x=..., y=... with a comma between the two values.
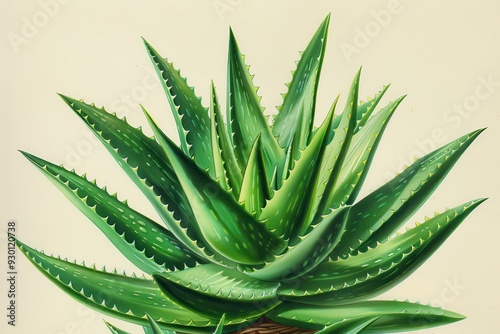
x=193, y=123
x=380, y=214
x=294, y=122
x=123, y=297
x=305, y=253
x=366, y=109
x=360, y=155
x=285, y=212
x=247, y=120
x=255, y=190
x=393, y=316
x=146, y=244
x=145, y=163
x=224, y=224
x=233, y=172
x=212, y=291
x=351, y=326
x=378, y=269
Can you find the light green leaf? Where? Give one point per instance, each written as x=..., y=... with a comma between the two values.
x=233, y=172
x=219, y=171
x=114, y=329
x=255, y=190
x=284, y=213
x=224, y=224
x=306, y=252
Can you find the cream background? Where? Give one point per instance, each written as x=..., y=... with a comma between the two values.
x=434, y=52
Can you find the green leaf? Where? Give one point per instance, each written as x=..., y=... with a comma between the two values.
x=284, y=213
x=378, y=269
x=219, y=171
x=255, y=189
x=212, y=291
x=155, y=328
x=366, y=109
x=146, y=244
x=294, y=122
x=305, y=253
x=328, y=176
x=220, y=326
x=145, y=163
x=394, y=316
x=230, y=165
x=351, y=326
x=247, y=120
x=123, y=297
x=193, y=123
x=380, y=214
x=224, y=224
x=114, y=329
x=359, y=157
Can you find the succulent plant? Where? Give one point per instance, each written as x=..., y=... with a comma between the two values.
x=262, y=225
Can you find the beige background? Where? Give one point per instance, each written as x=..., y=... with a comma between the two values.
x=439, y=54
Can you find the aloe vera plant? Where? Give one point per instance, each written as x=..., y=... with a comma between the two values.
x=261, y=225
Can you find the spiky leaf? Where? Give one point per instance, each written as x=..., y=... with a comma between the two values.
x=305, y=253
x=145, y=163
x=378, y=269
x=247, y=120
x=294, y=122
x=211, y=291
x=223, y=223
x=193, y=123
x=393, y=316
x=146, y=244
x=123, y=297
x=384, y=211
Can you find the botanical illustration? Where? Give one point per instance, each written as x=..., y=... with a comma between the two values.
x=262, y=230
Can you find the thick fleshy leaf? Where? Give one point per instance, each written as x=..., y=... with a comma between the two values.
x=212, y=291
x=247, y=120
x=255, y=190
x=366, y=109
x=294, y=122
x=378, y=269
x=114, y=329
x=380, y=214
x=144, y=161
x=123, y=297
x=218, y=162
x=285, y=211
x=146, y=244
x=193, y=123
x=331, y=165
x=351, y=326
x=305, y=253
x=224, y=224
x=233, y=172
x=393, y=316
x=155, y=328
x=359, y=157
x=220, y=326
